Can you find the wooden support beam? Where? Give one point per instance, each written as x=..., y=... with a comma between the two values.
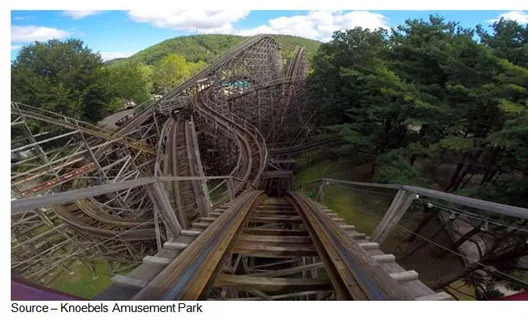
x=289, y=271
x=274, y=239
x=280, y=232
x=274, y=250
x=397, y=209
x=269, y=284
x=284, y=219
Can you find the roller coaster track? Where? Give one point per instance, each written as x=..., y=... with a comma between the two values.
x=259, y=248
x=201, y=77
x=189, y=198
x=81, y=215
x=244, y=246
x=253, y=151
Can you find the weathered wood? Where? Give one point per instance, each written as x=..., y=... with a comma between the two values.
x=175, y=245
x=289, y=271
x=156, y=260
x=191, y=232
x=368, y=245
x=281, y=232
x=348, y=258
x=274, y=239
x=265, y=220
x=405, y=276
x=384, y=258
x=196, y=264
x=397, y=209
x=274, y=250
x=268, y=284
x=128, y=281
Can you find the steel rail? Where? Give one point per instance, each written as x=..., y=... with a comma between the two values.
x=511, y=211
x=354, y=274
x=188, y=274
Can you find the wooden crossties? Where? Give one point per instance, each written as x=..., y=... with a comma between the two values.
x=187, y=276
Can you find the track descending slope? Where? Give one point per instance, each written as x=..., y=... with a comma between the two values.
x=182, y=159
x=280, y=248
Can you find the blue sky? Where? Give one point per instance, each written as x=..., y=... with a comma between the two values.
x=122, y=33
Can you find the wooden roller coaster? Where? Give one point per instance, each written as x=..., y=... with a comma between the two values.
x=143, y=195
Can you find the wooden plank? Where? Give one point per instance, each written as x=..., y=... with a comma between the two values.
x=274, y=250
x=200, y=225
x=405, y=276
x=274, y=239
x=175, y=245
x=128, y=281
x=357, y=235
x=156, y=260
x=280, y=232
x=384, y=258
x=271, y=284
x=289, y=271
x=266, y=220
x=191, y=232
x=368, y=245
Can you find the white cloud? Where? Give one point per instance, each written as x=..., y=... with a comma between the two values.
x=519, y=16
x=16, y=47
x=108, y=55
x=80, y=14
x=36, y=33
x=219, y=21
x=320, y=25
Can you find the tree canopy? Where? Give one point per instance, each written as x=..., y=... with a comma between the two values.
x=428, y=90
x=62, y=76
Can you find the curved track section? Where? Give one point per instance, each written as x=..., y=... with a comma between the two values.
x=189, y=198
x=82, y=217
x=257, y=58
x=253, y=151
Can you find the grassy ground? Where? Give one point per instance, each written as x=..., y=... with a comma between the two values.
x=362, y=209
x=82, y=283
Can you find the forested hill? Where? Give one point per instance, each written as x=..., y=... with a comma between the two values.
x=207, y=48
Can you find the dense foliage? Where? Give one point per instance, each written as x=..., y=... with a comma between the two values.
x=68, y=78
x=64, y=77
x=207, y=48
x=428, y=93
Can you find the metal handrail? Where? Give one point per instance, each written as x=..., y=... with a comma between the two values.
x=503, y=209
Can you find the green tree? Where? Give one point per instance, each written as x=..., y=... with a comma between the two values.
x=169, y=72
x=132, y=81
x=509, y=40
x=429, y=90
x=62, y=76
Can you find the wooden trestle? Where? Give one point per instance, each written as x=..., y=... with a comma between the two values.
x=257, y=248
